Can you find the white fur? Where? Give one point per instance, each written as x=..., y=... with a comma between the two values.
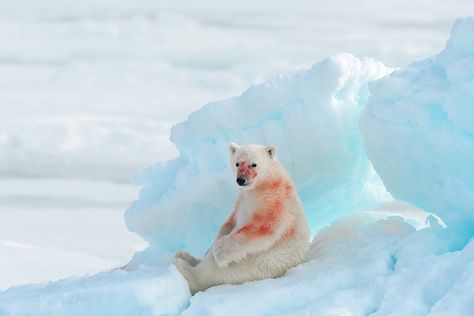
x=232, y=261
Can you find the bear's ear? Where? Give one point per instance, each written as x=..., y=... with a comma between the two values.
x=233, y=148
x=271, y=151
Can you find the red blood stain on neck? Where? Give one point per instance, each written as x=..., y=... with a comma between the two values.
x=263, y=221
x=271, y=185
x=271, y=194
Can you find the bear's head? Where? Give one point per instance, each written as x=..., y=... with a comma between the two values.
x=251, y=163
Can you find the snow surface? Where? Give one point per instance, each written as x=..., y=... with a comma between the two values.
x=360, y=265
x=51, y=229
x=369, y=262
x=159, y=291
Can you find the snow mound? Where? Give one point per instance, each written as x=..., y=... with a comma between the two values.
x=157, y=291
x=310, y=115
x=367, y=263
x=361, y=265
x=418, y=129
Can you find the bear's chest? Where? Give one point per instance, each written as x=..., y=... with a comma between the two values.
x=245, y=211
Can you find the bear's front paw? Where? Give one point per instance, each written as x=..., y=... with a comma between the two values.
x=221, y=255
x=224, y=252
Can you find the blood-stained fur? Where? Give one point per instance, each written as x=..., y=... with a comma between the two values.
x=264, y=235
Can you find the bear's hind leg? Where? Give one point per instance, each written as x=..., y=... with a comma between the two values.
x=187, y=271
x=209, y=274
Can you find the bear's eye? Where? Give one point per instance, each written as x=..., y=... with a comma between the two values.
x=253, y=165
x=237, y=164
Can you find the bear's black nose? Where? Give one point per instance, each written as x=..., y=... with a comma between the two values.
x=241, y=181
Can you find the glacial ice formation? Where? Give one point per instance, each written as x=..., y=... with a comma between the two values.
x=418, y=129
x=310, y=115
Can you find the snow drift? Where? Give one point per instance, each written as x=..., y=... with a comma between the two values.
x=418, y=129
x=361, y=265
x=310, y=115
x=158, y=291
x=368, y=263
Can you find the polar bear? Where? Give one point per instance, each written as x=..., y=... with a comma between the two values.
x=266, y=233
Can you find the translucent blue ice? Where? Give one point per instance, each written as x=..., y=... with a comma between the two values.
x=310, y=115
x=418, y=129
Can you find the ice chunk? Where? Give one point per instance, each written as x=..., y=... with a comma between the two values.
x=310, y=115
x=418, y=130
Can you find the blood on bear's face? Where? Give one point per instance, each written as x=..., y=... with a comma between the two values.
x=251, y=163
x=246, y=172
